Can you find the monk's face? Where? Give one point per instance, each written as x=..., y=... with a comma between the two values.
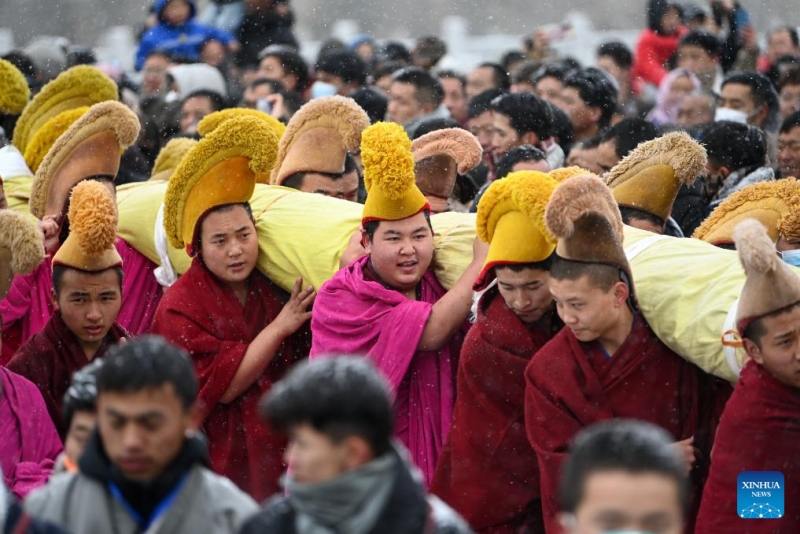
x=401, y=251
x=143, y=431
x=525, y=292
x=229, y=245
x=778, y=350
x=589, y=311
x=631, y=502
x=313, y=457
x=89, y=304
x=344, y=187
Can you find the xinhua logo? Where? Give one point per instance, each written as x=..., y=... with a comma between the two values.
x=760, y=495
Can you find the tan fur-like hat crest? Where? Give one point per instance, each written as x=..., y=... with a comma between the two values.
x=579, y=196
x=457, y=143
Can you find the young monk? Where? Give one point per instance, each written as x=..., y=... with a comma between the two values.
x=760, y=428
x=87, y=294
x=606, y=362
x=389, y=306
x=488, y=470
x=240, y=330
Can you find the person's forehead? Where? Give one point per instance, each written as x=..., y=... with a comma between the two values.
x=692, y=49
x=616, y=488
x=792, y=135
x=736, y=90
x=197, y=102
x=524, y=276
x=229, y=219
x=404, y=225
x=272, y=62
x=160, y=399
x=75, y=280
x=538, y=165
x=401, y=89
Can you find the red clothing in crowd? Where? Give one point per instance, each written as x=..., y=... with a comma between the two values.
x=572, y=385
x=652, y=53
x=50, y=358
x=488, y=470
x=203, y=315
x=759, y=431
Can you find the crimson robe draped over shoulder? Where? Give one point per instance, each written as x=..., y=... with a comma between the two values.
x=759, y=431
x=488, y=470
x=203, y=315
x=572, y=385
x=50, y=358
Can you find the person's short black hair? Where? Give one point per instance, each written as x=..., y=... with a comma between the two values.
x=526, y=113
x=276, y=86
x=344, y=64
x=761, y=89
x=292, y=63
x=596, y=89
x=500, y=77
x=452, y=75
x=393, y=51
x=22, y=61
x=789, y=77
x=701, y=39
x=543, y=265
x=628, y=133
x=619, y=53
x=428, y=88
x=552, y=70
x=620, y=445
x=510, y=58
x=516, y=155
x=792, y=121
x=756, y=329
x=600, y=275
x=388, y=69
x=372, y=101
x=339, y=396
x=198, y=237
x=563, y=130
x=59, y=270
x=148, y=362
x=735, y=145
x=432, y=125
x=430, y=48
x=371, y=227
x=81, y=396
x=216, y=99
x=632, y=214
x=526, y=72
x=482, y=102
x=792, y=34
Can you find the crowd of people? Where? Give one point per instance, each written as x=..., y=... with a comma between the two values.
x=527, y=394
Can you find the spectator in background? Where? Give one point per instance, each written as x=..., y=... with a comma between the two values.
x=617, y=141
x=480, y=123
x=266, y=23
x=590, y=99
x=226, y=15
x=392, y=51
x=520, y=119
x=512, y=60
x=658, y=42
x=487, y=76
x=789, y=96
x=522, y=78
x=584, y=155
x=256, y=93
x=185, y=79
x=284, y=65
x=154, y=73
x=364, y=48
x=414, y=97
x=197, y=105
x=428, y=52
x=623, y=476
x=49, y=57
x=674, y=89
x=749, y=97
x=616, y=59
x=697, y=109
x=699, y=53
x=80, y=415
x=455, y=95
x=519, y=158
x=548, y=82
x=563, y=133
x=781, y=42
x=178, y=33
x=789, y=147
x=339, y=73
x=382, y=76
x=373, y=101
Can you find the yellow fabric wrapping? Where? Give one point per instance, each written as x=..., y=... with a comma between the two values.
x=18, y=192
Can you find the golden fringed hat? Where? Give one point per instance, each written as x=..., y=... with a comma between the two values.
x=48, y=134
x=319, y=136
x=392, y=192
x=92, y=146
x=585, y=219
x=511, y=219
x=82, y=85
x=564, y=173
x=221, y=169
x=170, y=157
x=768, y=202
x=770, y=284
x=21, y=247
x=211, y=121
x=649, y=178
x=93, y=224
x=14, y=90
x=440, y=156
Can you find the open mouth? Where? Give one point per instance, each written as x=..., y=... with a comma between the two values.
x=407, y=265
x=94, y=330
x=238, y=266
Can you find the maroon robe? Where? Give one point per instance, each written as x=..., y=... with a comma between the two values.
x=759, y=431
x=572, y=385
x=488, y=470
x=49, y=359
x=203, y=315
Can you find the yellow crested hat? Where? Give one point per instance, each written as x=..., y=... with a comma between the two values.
x=21, y=247
x=93, y=223
x=14, y=90
x=319, y=136
x=565, y=173
x=771, y=203
x=649, y=178
x=511, y=219
x=221, y=169
x=209, y=123
x=91, y=146
x=170, y=157
x=48, y=134
x=770, y=284
x=392, y=193
x=80, y=86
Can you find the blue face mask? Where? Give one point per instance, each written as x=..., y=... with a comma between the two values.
x=792, y=257
x=320, y=89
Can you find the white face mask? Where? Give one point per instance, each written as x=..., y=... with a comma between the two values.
x=733, y=115
x=172, y=96
x=320, y=89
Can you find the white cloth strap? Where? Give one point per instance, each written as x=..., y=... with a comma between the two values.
x=165, y=274
x=730, y=352
x=12, y=164
x=642, y=245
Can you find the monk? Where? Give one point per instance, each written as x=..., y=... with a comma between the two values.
x=488, y=470
x=390, y=307
x=86, y=294
x=242, y=332
x=607, y=362
x=760, y=427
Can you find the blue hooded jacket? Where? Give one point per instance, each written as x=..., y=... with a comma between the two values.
x=184, y=40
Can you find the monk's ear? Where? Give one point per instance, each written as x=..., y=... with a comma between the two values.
x=621, y=293
x=54, y=298
x=365, y=241
x=753, y=351
x=357, y=452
